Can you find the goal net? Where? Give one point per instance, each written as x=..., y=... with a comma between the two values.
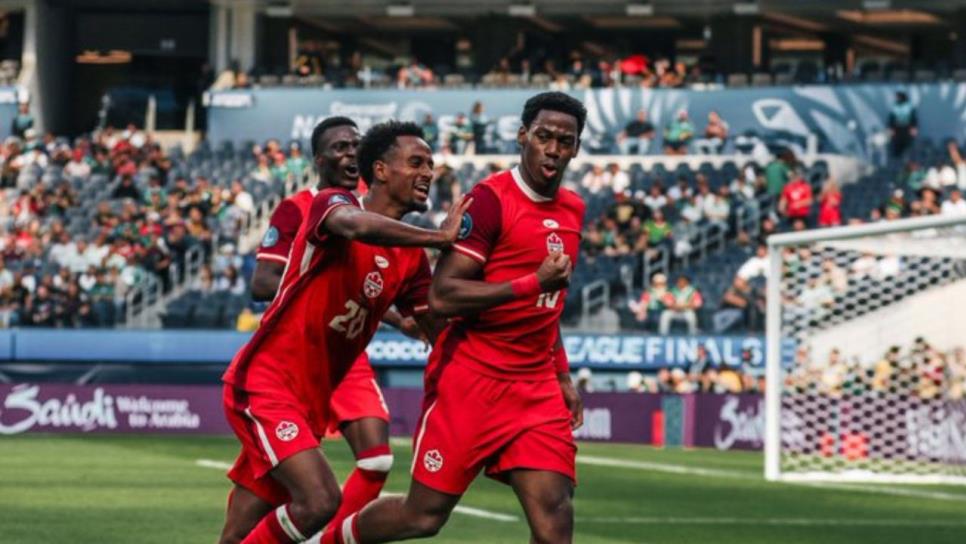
x=875, y=316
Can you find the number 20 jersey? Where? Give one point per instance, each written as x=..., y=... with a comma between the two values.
x=510, y=229
x=333, y=295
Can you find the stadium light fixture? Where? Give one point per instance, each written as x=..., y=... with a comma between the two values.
x=522, y=10
x=871, y=5
x=400, y=10
x=746, y=8
x=279, y=10
x=639, y=10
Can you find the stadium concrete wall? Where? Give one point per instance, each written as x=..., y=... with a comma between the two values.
x=847, y=118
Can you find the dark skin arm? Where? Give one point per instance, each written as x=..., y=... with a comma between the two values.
x=457, y=289
x=266, y=279
x=571, y=397
x=353, y=223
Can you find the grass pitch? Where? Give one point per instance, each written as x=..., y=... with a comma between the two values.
x=133, y=489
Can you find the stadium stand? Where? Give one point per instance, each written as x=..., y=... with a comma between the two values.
x=161, y=216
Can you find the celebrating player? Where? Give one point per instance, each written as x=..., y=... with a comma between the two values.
x=359, y=411
x=498, y=389
x=344, y=272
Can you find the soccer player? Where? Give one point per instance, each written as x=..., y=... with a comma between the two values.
x=498, y=391
x=358, y=409
x=346, y=267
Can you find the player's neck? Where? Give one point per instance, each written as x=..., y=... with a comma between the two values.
x=378, y=201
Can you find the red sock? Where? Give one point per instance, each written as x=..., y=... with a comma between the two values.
x=361, y=488
x=346, y=532
x=275, y=528
x=365, y=482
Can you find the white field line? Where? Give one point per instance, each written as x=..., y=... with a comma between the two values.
x=465, y=510
x=734, y=474
x=772, y=521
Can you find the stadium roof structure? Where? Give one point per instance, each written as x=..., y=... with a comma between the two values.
x=445, y=8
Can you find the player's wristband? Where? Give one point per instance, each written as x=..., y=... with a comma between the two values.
x=560, y=362
x=527, y=286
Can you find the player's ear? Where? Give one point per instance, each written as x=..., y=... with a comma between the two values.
x=378, y=171
x=522, y=136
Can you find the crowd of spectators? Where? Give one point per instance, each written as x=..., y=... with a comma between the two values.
x=921, y=370
x=84, y=223
x=699, y=375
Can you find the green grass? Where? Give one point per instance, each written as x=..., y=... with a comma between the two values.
x=149, y=489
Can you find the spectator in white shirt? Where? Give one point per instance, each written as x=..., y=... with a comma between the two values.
x=655, y=199
x=716, y=208
x=955, y=205
x=77, y=167
x=6, y=277
x=680, y=190
x=594, y=180
x=618, y=180
x=757, y=265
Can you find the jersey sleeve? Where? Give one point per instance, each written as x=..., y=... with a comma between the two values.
x=413, y=299
x=282, y=229
x=481, y=225
x=322, y=205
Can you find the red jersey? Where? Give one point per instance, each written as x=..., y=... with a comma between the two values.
x=332, y=296
x=798, y=195
x=512, y=229
x=284, y=226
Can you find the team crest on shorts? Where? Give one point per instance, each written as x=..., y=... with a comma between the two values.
x=554, y=243
x=372, y=287
x=286, y=431
x=433, y=461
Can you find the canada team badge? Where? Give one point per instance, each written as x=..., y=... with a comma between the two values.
x=372, y=287
x=286, y=431
x=433, y=461
x=554, y=243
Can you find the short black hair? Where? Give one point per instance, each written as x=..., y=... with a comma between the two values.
x=378, y=140
x=324, y=125
x=554, y=101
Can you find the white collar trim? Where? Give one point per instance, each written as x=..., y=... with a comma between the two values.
x=527, y=190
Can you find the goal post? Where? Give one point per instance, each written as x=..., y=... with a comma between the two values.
x=875, y=315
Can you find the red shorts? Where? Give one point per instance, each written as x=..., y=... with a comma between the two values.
x=271, y=428
x=478, y=422
x=357, y=396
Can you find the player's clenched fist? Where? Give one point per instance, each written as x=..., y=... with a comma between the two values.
x=554, y=272
x=453, y=224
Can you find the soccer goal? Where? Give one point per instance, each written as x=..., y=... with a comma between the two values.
x=866, y=367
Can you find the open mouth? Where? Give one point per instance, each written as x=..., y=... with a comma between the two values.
x=421, y=190
x=549, y=171
x=352, y=171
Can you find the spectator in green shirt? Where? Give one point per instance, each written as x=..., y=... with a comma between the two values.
x=297, y=164
x=430, y=131
x=461, y=135
x=279, y=168
x=657, y=228
x=779, y=171
x=678, y=134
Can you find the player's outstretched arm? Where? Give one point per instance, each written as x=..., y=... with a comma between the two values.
x=266, y=279
x=457, y=291
x=378, y=230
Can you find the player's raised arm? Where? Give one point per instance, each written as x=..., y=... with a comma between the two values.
x=354, y=223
